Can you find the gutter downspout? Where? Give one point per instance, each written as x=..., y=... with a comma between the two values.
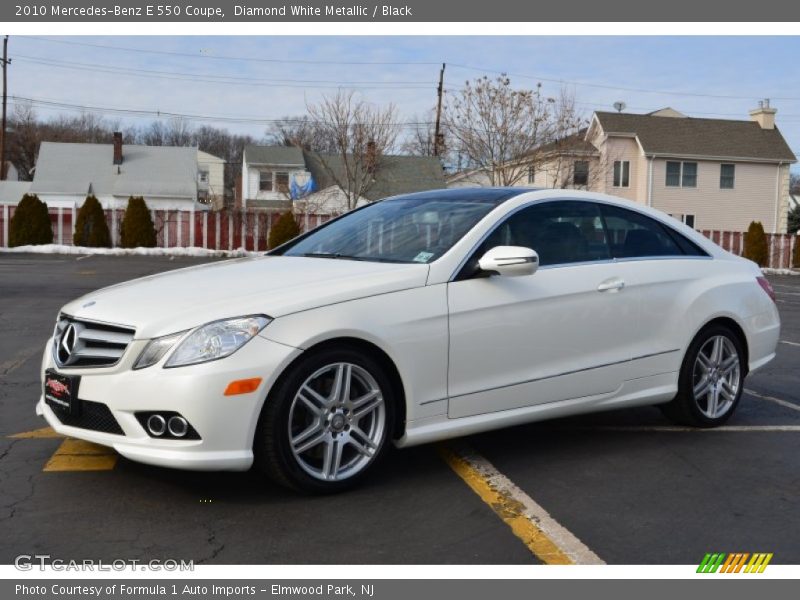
x=650, y=181
x=777, y=198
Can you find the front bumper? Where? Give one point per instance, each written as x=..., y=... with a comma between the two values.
x=225, y=424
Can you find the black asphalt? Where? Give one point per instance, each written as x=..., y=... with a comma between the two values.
x=632, y=496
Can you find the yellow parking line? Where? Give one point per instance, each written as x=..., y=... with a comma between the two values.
x=546, y=539
x=78, y=455
x=44, y=432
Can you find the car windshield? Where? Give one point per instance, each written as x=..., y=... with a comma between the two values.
x=403, y=229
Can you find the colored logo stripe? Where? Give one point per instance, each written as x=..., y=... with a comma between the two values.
x=733, y=563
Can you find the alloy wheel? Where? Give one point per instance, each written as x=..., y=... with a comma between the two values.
x=337, y=421
x=716, y=376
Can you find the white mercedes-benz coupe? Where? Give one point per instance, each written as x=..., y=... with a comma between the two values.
x=417, y=318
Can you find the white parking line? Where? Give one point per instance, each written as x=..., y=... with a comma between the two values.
x=781, y=402
x=547, y=539
x=670, y=428
x=788, y=343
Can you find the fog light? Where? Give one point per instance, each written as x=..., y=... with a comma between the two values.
x=156, y=425
x=178, y=426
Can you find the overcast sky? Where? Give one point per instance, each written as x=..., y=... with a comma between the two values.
x=261, y=78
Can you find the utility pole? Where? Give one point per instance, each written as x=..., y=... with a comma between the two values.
x=438, y=138
x=3, y=129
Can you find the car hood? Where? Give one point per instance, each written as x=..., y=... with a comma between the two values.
x=272, y=285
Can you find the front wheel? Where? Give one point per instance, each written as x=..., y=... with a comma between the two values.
x=327, y=423
x=711, y=379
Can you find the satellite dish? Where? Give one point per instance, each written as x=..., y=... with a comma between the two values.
x=620, y=106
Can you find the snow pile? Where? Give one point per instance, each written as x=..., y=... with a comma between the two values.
x=194, y=251
x=780, y=271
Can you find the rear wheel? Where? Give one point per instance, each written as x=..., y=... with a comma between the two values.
x=711, y=379
x=327, y=423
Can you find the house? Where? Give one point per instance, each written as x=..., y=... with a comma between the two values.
x=709, y=173
x=167, y=177
x=267, y=175
x=569, y=162
x=11, y=192
x=210, y=180
x=279, y=178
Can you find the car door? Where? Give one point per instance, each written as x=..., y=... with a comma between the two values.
x=564, y=332
x=660, y=267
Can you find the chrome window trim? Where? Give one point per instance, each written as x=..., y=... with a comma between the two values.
x=514, y=211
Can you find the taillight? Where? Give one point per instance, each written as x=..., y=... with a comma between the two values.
x=767, y=287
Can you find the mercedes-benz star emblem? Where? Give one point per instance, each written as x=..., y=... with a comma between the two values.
x=67, y=344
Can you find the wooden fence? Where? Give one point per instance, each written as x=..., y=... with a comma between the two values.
x=781, y=245
x=217, y=230
x=249, y=229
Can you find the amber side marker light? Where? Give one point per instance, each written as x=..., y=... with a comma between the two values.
x=242, y=386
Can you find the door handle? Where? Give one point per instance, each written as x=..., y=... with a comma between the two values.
x=611, y=285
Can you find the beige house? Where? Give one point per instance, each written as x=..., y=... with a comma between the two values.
x=709, y=173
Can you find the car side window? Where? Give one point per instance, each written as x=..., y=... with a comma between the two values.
x=634, y=235
x=561, y=232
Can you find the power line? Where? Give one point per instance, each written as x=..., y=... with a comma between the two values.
x=411, y=63
x=223, y=79
x=58, y=105
x=237, y=58
x=616, y=87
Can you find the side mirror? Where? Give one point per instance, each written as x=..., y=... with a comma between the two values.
x=510, y=261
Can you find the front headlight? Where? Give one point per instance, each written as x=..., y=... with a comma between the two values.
x=217, y=340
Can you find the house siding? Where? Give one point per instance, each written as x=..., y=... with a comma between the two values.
x=753, y=197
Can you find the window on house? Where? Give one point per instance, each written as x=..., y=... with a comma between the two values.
x=531, y=174
x=203, y=176
x=689, y=220
x=282, y=181
x=727, y=176
x=689, y=176
x=622, y=173
x=673, y=174
x=265, y=184
x=580, y=173
x=681, y=174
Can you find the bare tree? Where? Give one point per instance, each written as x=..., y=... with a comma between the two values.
x=421, y=141
x=362, y=136
x=23, y=143
x=501, y=131
x=300, y=131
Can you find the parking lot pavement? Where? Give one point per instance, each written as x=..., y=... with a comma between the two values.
x=631, y=488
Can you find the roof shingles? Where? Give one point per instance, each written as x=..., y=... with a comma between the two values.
x=712, y=138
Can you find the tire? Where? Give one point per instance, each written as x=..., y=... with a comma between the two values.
x=709, y=384
x=319, y=437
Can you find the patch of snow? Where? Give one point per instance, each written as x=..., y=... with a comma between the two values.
x=193, y=251
x=780, y=271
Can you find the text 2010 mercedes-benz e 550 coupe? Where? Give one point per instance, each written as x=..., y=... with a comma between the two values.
x=412, y=319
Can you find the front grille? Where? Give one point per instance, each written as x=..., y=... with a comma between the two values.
x=91, y=415
x=80, y=343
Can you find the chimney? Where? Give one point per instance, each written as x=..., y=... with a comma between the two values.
x=371, y=159
x=764, y=115
x=117, y=148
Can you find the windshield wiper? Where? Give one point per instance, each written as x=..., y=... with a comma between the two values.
x=339, y=255
x=327, y=255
